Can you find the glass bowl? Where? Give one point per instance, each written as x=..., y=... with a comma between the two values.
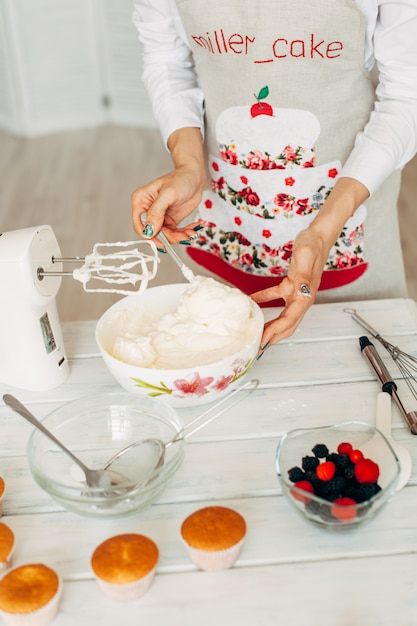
x=95, y=428
x=355, y=493
x=183, y=386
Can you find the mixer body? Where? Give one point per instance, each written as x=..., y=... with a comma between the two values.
x=32, y=354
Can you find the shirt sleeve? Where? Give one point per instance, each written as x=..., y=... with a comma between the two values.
x=389, y=140
x=168, y=67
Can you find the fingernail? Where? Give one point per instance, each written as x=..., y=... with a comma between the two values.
x=265, y=346
x=162, y=250
x=185, y=242
x=198, y=227
x=259, y=356
x=148, y=230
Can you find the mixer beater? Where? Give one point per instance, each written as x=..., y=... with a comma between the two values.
x=32, y=353
x=119, y=267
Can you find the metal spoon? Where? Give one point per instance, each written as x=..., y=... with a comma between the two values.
x=102, y=478
x=185, y=270
x=154, y=449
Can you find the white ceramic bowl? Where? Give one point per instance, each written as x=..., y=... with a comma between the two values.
x=95, y=428
x=183, y=387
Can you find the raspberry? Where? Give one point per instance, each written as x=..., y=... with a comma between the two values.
x=303, y=485
x=295, y=474
x=309, y=463
x=366, y=471
x=326, y=470
x=344, y=448
x=355, y=456
x=320, y=450
x=344, y=509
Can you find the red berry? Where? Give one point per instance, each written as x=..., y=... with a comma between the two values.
x=355, y=456
x=366, y=471
x=344, y=509
x=326, y=470
x=344, y=448
x=303, y=485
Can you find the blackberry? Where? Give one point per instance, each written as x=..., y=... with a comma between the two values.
x=349, y=470
x=366, y=491
x=340, y=460
x=332, y=489
x=311, y=476
x=295, y=474
x=333, y=457
x=320, y=450
x=309, y=463
x=313, y=507
x=351, y=490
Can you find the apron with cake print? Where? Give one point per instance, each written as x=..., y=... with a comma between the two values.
x=286, y=95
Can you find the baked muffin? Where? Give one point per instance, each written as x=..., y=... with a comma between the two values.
x=2, y=488
x=6, y=547
x=124, y=565
x=213, y=537
x=30, y=595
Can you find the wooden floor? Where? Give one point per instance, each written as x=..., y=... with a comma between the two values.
x=80, y=183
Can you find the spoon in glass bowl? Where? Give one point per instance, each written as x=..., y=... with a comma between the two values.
x=153, y=449
x=102, y=478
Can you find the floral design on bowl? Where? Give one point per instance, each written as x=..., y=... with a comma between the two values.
x=194, y=384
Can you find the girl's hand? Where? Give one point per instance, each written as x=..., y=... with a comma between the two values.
x=169, y=199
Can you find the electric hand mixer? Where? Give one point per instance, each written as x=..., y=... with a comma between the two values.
x=32, y=353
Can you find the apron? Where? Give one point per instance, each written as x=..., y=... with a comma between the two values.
x=286, y=94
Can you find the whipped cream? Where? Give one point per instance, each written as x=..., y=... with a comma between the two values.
x=210, y=322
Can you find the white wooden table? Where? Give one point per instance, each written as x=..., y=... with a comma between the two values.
x=289, y=572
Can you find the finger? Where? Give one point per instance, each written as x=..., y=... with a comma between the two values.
x=288, y=321
x=185, y=235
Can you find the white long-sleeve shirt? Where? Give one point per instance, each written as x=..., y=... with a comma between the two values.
x=388, y=141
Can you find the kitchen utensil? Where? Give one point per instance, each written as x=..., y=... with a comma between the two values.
x=383, y=423
x=95, y=427
x=388, y=385
x=112, y=266
x=154, y=448
x=185, y=270
x=406, y=363
x=32, y=348
x=103, y=478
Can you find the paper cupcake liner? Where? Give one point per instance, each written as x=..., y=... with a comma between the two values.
x=6, y=564
x=216, y=560
x=39, y=617
x=127, y=592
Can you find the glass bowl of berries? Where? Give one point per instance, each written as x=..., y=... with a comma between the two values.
x=337, y=476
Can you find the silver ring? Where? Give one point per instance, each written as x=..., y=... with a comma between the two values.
x=305, y=290
x=194, y=237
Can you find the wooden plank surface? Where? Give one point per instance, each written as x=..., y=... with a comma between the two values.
x=289, y=571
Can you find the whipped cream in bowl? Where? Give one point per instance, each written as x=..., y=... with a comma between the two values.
x=186, y=344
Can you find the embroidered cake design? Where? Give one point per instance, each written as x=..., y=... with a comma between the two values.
x=266, y=186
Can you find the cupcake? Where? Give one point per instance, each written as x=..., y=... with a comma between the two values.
x=6, y=547
x=2, y=488
x=213, y=537
x=124, y=566
x=30, y=595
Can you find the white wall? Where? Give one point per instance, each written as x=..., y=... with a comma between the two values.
x=68, y=64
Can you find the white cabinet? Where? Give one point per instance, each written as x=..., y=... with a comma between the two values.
x=68, y=64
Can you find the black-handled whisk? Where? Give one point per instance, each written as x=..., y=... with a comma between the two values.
x=406, y=363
